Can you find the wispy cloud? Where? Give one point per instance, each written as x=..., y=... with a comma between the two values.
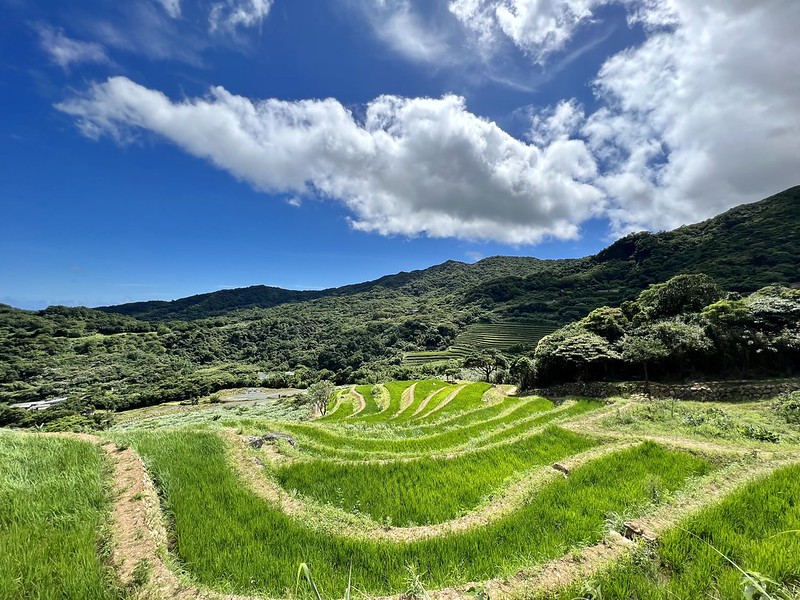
x=231, y=15
x=66, y=52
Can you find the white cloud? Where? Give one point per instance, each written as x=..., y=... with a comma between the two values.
x=413, y=166
x=556, y=123
x=65, y=51
x=402, y=27
x=538, y=27
x=172, y=7
x=704, y=115
x=230, y=15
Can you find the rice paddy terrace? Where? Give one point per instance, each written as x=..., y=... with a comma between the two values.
x=419, y=488
x=502, y=336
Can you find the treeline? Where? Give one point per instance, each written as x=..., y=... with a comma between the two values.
x=685, y=328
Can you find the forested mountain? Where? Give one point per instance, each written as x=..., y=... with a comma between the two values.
x=139, y=353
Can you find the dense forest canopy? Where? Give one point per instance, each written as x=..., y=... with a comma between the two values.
x=686, y=327
x=146, y=353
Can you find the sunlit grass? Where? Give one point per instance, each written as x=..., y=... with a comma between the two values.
x=229, y=538
x=747, y=527
x=52, y=506
x=426, y=490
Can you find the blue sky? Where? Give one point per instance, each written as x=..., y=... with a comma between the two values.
x=155, y=149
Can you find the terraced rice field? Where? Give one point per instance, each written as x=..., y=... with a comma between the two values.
x=454, y=483
x=502, y=336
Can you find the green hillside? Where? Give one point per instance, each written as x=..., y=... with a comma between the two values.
x=136, y=354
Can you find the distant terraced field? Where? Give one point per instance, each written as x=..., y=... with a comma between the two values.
x=502, y=336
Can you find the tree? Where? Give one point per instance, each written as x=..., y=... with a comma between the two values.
x=681, y=294
x=642, y=349
x=523, y=373
x=487, y=362
x=318, y=395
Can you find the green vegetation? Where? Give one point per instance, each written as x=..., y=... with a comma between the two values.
x=684, y=327
x=755, y=527
x=52, y=508
x=143, y=354
x=426, y=490
x=752, y=423
x=230, y=539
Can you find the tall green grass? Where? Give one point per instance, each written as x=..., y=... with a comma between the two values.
x=395, y=389
x=426, y=490
x=746, y=527
x=229, y=538
x=346, y=408
x=467, y=399
x=372, y=407
x=421, y=391
x=326, y=444
x=52, y=505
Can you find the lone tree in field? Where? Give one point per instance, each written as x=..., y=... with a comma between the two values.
x=487, y=362
x=318, y=395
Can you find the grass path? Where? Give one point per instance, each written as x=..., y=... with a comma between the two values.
x=406, y=399
x=360, y=404
x=452, y=394
x=327, y=518
x=447, y=400
x=140, y=535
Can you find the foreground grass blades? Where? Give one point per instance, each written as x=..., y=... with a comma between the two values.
x=756, y=527
x=230, y=539
x=52, y=505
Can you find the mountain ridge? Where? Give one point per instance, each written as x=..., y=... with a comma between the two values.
x=718, y=245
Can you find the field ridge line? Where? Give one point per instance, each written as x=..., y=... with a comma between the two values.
x=139, y=532
x=542, y=580
x=444, y=402
x=362, y=403
x=338, y=522
x=425, y=402
x=406, y=399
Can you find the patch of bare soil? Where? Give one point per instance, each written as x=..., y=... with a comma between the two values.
x=140, y=537
x=406, y=399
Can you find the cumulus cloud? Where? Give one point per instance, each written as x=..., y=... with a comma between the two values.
x=65, y=51
x=411, y=166
x=229, y=16
x=702, y=116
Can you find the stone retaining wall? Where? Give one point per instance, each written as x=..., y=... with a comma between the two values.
x=707, y=391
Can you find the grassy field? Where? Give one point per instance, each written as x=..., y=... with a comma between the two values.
x=230, y=539
x=52, y=508
x=460, y=489
x=426, y=490
x=757, y=527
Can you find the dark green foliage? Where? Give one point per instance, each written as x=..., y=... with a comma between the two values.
x=676, y=330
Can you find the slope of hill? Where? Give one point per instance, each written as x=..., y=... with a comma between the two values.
x=361, y=332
